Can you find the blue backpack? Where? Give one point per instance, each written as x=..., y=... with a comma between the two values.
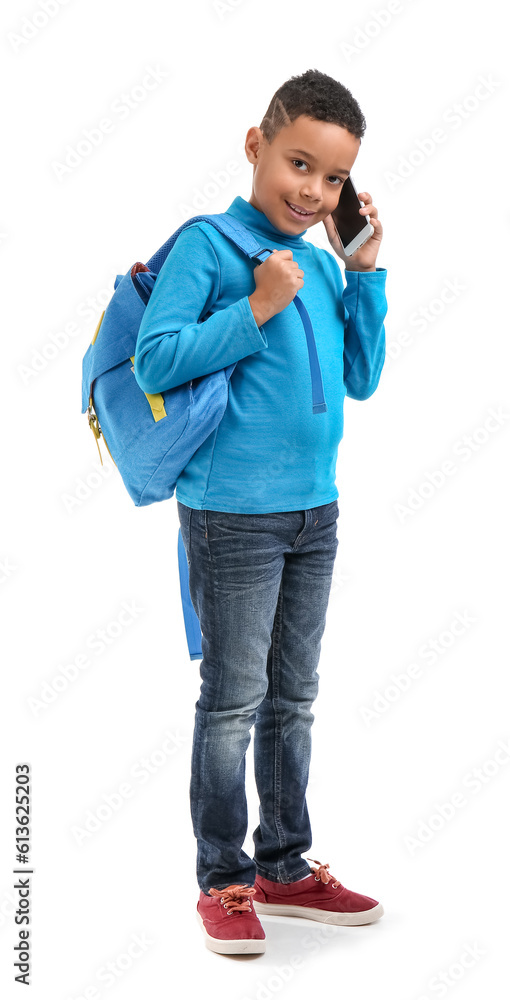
x=152, y=436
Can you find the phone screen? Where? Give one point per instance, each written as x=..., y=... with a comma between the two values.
x=346, y=215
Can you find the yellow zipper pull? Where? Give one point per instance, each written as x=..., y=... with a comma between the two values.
x=97, y=432
x=94, y=426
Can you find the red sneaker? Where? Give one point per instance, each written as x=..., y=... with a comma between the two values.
x=330, y=902
x=230, y=925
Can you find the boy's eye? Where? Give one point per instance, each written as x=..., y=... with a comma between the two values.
x=331, y=175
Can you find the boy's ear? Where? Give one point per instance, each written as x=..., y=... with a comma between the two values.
x=255, y=140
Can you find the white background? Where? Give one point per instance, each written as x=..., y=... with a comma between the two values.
x=400, y=579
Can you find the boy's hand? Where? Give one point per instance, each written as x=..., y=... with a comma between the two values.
x=364, y=258
x=277, y=281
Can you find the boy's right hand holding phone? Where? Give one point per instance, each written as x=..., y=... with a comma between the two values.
x=277, y=280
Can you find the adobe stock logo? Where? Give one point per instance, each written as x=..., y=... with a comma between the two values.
x=363, y=36
x=85, y=486
x=443, y=812
x=6, y=569
x=99, y=641
x=464, y=448
x=442, y=981
x=112, y=801
x=454, y=117
x=429, y=653
x=223, y=7
x=120, y=108
x=31, y=26
x=422, y=318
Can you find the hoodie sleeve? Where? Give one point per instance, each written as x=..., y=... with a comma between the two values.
x=365, y=307
x=177, y=339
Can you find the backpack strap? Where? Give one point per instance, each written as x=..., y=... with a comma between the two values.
x=191, y=622
x=246, y=242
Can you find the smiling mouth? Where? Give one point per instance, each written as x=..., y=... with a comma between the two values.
x=305, y=214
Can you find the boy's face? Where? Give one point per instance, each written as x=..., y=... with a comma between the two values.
x=311, y=179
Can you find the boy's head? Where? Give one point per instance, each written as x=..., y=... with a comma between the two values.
x=304, y=148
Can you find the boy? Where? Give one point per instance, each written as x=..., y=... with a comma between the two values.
x=258, y=504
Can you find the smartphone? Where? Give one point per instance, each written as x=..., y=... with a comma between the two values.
x=352, y=228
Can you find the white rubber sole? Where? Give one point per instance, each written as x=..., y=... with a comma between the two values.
x=240, y=946
x=324, y=916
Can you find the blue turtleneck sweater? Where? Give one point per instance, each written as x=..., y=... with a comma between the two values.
x=270, y=452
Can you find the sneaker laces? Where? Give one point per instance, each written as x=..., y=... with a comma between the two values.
x=322, y=875
x=235, y=897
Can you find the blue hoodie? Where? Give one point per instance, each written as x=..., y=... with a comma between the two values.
x=269, y=452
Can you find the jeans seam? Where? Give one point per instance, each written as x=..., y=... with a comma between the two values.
x=190, y=515
x=275, y=658
x=206, y=536
x=297, y=543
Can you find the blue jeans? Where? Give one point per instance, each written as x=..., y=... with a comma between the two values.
x=260, y=586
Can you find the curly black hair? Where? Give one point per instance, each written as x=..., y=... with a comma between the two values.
x=317, y=95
